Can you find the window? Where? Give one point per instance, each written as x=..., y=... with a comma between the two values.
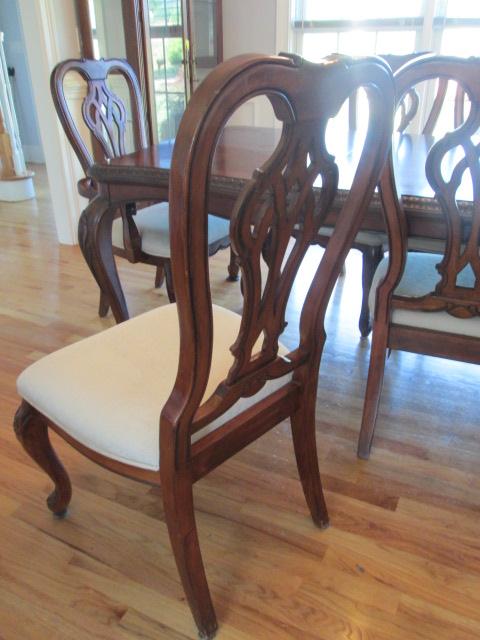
x=374, y=26
x=450, y=27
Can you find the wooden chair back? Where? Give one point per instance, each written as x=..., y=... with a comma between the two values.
x=454, y=158
x=103, y=111
x=411, y=102
x=408, y=107
x=278, y=199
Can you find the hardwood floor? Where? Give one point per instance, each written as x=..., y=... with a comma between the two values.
x=401, y=559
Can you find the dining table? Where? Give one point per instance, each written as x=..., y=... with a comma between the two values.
x=143, y=176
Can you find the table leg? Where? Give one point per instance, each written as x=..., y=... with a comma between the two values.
x=95, y=238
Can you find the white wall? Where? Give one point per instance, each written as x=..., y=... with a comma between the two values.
x=49, y=28
x=255, y=26
x=249, y=26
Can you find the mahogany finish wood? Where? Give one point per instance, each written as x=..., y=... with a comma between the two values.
x=278, y=196
x=31, y=429
x=461, y=247
x=105, y=116
x=276, y=199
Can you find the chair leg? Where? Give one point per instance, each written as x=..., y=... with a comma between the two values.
x=32, y=431
x=233, y=268
x=159, y=276
x=305, y=445
x=169, y=281
x=103, y=305
x=371, y=257
x=374, y=389
x=182, y=529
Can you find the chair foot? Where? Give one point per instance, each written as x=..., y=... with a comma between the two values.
x=233, y=268
x=31, y=429
x=305, y=446
x=103, y=305
x=169, y=282
x=365, y=324
x=159, y=276
x=363, y=451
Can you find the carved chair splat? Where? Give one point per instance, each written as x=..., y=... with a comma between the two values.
x=135, y=227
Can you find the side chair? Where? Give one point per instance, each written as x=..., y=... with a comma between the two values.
x=429, y=303
x=171, y=394
x=139, y=234
x=371, y=244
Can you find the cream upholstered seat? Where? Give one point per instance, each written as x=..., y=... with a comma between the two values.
x=153, y=228
x=107, y=391
x=418, y=279
x=367, y=238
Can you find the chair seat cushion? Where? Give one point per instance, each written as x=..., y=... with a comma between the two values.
x=368, y=238
x=107, y=391
x=426, y=245
x=152, y=225
x=419, y=278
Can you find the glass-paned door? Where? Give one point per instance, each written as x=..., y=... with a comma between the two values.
x=204, y=18
x=168, y=52
x=185, y=45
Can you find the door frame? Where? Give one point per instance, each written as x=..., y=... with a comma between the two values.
x=45, y=36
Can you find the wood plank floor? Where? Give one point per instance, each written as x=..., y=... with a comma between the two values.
x=401, y=559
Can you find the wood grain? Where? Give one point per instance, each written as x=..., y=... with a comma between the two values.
x=400, y=560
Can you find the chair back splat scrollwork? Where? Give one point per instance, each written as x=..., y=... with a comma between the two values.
x=278, y=200
x=452, y=166
x=103, y=111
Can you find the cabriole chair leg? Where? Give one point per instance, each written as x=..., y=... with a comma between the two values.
x=31, y=430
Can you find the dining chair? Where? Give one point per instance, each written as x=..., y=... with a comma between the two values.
x=372, y=244
x=429, y=303
x=171, y=394
x=139, y=233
